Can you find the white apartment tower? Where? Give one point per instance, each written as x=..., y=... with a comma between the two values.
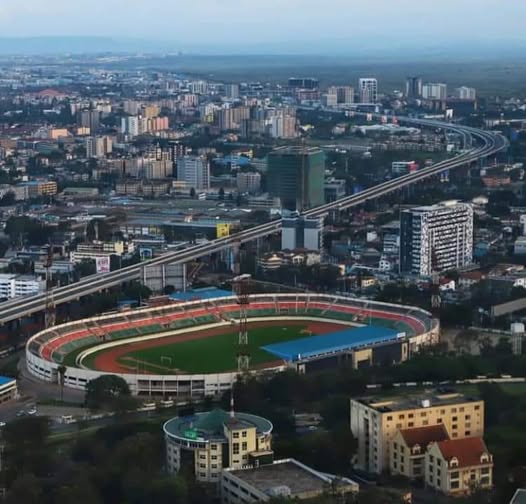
x=436, y=238
x=195, y=171
x=368, y=90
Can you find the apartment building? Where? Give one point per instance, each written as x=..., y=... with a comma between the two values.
x=376, y=421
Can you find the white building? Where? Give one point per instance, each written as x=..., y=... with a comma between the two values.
x=194, y=171
x=368, y=90
x=8, y=389
x=466, y=93
x=436, y=238
x=12, y=285
x=434, y=91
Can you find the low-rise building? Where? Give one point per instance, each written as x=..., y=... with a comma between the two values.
x=459, y=466
x=12, y=285
x=8, y=389
x=217, y=440
x=286, y=478
x=375, y=422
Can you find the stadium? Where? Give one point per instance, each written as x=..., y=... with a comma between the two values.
x=189, y=348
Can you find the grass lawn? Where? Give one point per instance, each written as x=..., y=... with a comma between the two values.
x=210, y=355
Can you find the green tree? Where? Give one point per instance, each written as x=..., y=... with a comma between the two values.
x=26, y=489
x=108, y=392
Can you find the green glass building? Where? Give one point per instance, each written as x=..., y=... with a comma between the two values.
x=296, y=175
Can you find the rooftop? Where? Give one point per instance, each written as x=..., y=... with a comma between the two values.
x=467, y=450
x=295, y=150
x=286, y=474
x=210, y=425
x=6, y=379
x=417, y=401
x=423, y=436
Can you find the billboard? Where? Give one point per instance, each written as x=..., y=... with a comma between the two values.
x=223, y=230
x=103, y=264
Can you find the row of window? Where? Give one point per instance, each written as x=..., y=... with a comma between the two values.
x=423, y=414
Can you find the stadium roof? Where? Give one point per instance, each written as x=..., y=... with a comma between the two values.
x=204, y=293
x=331, y=343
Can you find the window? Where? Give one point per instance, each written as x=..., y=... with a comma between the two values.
x=439, y=420
x=202, y=466
x=473, y=476
x=461, y=410
x=425, y=422
x=401, y=468
x=431, y=469
x=484, y=480
x=395, y=464
x=411, y=415
x=213, y=447
x=398, y=425
x=389, y=418
x=423, y=414
x=410, y=424
x=453, y=410
x=454, y=435
x=468, y=417
x=477, y=407
x=244, y=446
x=439, y=483
x=235, y=435
x=401, y=417
x=454, y=485
x=244, y=433
x=442, y=411
x=454, y=426
x=431, y=458
x=467, y=433
x=214, y=466
x=214, y=457
x=202, y=457
x=235, y=448
x=395, y=446
x=455, y=475
x=454, y=419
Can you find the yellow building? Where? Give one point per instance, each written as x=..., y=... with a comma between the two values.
x=57, y=133
x=218, y=440
x=408, y=449
x=458, y=466
x=375, y=422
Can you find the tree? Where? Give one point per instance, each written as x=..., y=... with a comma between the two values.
x=26, y=489
x=98, y=229
x=108, y=392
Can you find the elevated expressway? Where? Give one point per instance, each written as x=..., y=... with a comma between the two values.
x=486, y=144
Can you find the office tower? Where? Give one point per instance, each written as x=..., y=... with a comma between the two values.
x=198, y=87
x=368, y=90
x=232, y=91
x=296, y=175
x=434, y=91
x=303, y=83
x=436, y=238
x=225, y=119
x=195, y=171
x=302, y=233
x=466, y=93
x=413, y=87
x=248, y=182
x=130, y=126
x=282, y=126
x=345, y=95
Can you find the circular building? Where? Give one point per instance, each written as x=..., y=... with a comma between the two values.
x=217, y=440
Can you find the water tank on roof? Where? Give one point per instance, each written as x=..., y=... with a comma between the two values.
x=426, y=403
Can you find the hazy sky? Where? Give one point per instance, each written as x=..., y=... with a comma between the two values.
x=278, y=21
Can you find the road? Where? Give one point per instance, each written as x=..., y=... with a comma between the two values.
x=488, y=144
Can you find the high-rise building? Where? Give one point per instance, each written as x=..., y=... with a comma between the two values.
x=368, y=90
x=248, y=182
x=303, y=83
x=195, y=171
x=98, y=147
x=296, y=176
x=89, y=119
x=413, y=87
x=302, y=233
x=466, y=93
x=436, y=238
x=232, y=91
x=434, y=91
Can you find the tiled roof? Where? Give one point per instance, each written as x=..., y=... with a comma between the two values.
x=423, y=436
x=467, y=451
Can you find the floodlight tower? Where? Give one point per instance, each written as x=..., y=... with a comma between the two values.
x=50, y=313
x=241, y=285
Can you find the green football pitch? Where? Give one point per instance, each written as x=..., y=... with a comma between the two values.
x=215, y=354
